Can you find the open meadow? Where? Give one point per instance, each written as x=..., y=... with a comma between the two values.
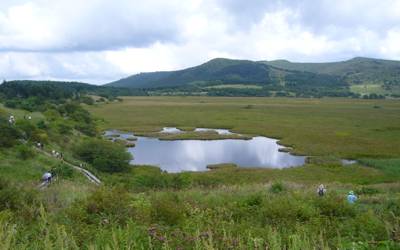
x=142, y=207
x=347, y=128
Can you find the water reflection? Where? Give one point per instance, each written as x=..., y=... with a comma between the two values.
x=195, y=155
x=219, y=131
x=171, y=130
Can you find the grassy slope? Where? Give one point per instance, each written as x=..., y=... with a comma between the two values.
x=345, y=128
x=228, y=207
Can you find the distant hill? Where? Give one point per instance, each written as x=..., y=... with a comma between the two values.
x=57, y=89
x=225, y=71
x=358, y=76
x=359, y=70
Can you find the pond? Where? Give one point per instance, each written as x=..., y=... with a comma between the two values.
x=194, y=155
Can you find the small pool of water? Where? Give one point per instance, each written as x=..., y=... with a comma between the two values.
x=219, y=131
x=195, y=155
x=347, y=162
x=171, y=130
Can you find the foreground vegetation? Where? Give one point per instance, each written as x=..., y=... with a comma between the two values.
x=142, y=207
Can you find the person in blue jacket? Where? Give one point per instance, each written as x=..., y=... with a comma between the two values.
x=351, y=197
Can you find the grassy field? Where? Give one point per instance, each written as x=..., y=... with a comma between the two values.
x=347, y=128
x=224, y=208
x=235, y=86
x=373, y=89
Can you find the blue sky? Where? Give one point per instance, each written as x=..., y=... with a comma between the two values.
x=100, y=40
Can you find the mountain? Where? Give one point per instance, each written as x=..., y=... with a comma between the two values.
x=355, y=77
x=224, y=71
x=219, y=69
x=359, y=70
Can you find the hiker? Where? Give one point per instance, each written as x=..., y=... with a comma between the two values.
x=47, y=177
x=11, y=120
x=351, y=197
x=321, y=190
x=53, y=152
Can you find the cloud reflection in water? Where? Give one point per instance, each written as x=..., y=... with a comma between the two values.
x=195, y=155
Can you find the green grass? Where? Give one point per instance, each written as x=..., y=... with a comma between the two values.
x=390, y=167
x=236, y=217
x=368, y=89
x=227, y=207
x=364, y=89
x=19, y=114
x=235, y=86
x=346, y=128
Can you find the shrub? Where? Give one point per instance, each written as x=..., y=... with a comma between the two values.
x=367, y=190
x=370, y=226
x=15, y=198
x=179, y=181
x=25, y=152
x=64, y=128
x=166, y=209
x=41, y=124
x=113, y=204
x=63, y=171
x=103, y=155
x=334, y=206
x=287, y=210
x=8, y=134
x=277, y=187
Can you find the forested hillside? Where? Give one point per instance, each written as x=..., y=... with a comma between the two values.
x=378, y=78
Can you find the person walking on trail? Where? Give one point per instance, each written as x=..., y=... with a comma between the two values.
x=351, y=197
x=47, y=177
x=11, y=120
x=321, y=190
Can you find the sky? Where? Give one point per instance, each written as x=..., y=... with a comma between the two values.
x=99, y=41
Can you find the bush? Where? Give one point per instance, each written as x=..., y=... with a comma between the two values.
x=25, y=152
x=166, y=209
x=63, y=171
x=64, y=128
x=367, y=190
x=41, y=124
x=103, y=155
x=16, y=198
x=287, y=210
x=277, y=187
x=27, y=128
x=113, y=204
x=334, y=206
x=8, y=134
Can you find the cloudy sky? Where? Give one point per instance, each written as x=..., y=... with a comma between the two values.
x=102, y=40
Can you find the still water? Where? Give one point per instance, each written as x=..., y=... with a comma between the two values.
x=195, y=155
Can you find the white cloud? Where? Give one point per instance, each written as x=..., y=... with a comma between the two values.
x=102, y=40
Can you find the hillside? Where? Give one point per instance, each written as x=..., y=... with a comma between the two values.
x=359, y=70
x=381, y=77
x=225, y=71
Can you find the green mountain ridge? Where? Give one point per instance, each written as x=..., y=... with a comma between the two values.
x=217, y=71
x=358, y=70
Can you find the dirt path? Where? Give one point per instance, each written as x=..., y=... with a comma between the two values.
x=91, y=177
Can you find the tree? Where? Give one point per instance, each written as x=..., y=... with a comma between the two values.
x=104, y=155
